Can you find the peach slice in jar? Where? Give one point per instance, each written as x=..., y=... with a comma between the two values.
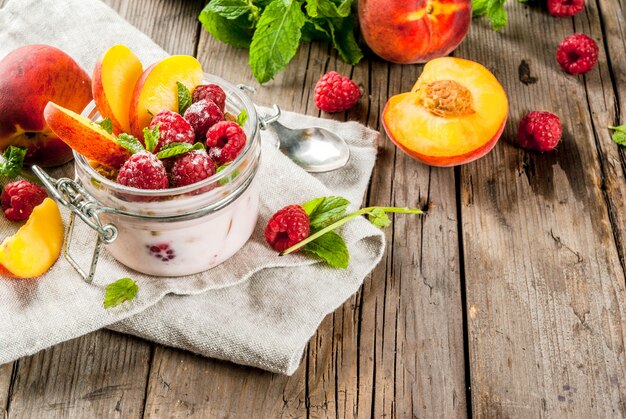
x=84, y=136
x=37, y=244
x=156, y=89
x=454, y=114
x=114, y=79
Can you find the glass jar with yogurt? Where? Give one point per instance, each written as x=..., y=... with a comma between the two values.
x=185, y=230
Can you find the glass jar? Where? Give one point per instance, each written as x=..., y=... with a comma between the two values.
x=185, y=230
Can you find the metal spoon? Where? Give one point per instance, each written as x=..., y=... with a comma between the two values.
x=314, y=149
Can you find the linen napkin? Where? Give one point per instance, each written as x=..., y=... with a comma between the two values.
x=255, y=309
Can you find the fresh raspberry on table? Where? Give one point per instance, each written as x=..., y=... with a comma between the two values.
x=173, y=128
x=202, y=115
x=577, y=53
x=211, y=92
x=225, y=141
x=334, y=93
x=143, y=170
x=287, y=227
x=20, y=198
x=540, y=131
x=564, y=8
x=191, y=167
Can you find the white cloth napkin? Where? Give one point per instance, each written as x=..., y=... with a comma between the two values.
x=255, y=309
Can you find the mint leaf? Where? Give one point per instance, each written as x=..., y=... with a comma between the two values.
x=116, y=293
x=151, y=137
x=235, y=32
x=106, y=124
x=619, y=135
x=315, y=29
x=494, y=10
x=242, y=118
x=130, y=143
x=13, y=161
x=326, y=8
x=228, y=178
x=176, y=149
x=276, y=39
x=327, y=211
x=379, y=218
x=332, y=248
x=184, y=97
x=232, y=9
x=342, y=34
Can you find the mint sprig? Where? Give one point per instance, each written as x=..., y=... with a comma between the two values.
x=151, y=137
x=326, y=215
x=130, y=143
x=242, y=118
x=12, y=162
x=274, y=29
x=117, y=292
x=184, y=97
x=494, y=10
x=106, y=124
x=619, y=134
x=176, y=149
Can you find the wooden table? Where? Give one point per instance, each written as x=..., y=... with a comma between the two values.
x=507, y=300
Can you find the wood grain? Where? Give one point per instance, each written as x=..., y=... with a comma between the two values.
x=545, y=287
x=5, y=384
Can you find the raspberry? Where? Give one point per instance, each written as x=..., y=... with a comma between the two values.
x=577, y=53
x=20, y=198
x=191, y=167
x=211, y=92
x=161, y=251
x=202, y=115
x=564, y=8
x=225, y=141
x=173, y=129
x=334, y=93
x=539, y=131
x=287, y=227
x=143, y=170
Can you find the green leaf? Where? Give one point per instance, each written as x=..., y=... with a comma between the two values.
x=106, y=124
x=342, y=33
x=176, y=149
x=332, y=248
x=493, y=9
x=228, y=178
x=130, y=143
x=242, y=118
x=184, y=97
x=325, y=212
x=116, y=293
x=276, y=39
x=151, y=137
x=327, y=8
x=315, y=30
x=235, y=32
x=13, y=161
x=619, y=135
x=379, y=218
x=231, y=9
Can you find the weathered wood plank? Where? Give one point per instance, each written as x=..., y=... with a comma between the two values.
x=103, y=373
x=545, y=287
x=5, y=383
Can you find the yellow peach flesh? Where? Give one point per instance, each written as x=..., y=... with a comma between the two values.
x=37, y=244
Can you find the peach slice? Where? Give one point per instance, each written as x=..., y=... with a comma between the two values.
x=454, y=114
x=114, y=79
x=84, y=136
x=156, y=89
x=37, y=244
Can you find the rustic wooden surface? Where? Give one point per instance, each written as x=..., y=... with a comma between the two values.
x=507, y=300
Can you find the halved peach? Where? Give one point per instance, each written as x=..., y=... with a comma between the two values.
x=37, y=244
x=156, y=89
x=114, y=79
x=454, y=114
x=84, y=136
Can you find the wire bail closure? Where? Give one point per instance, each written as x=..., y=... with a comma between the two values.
x=74, y=197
